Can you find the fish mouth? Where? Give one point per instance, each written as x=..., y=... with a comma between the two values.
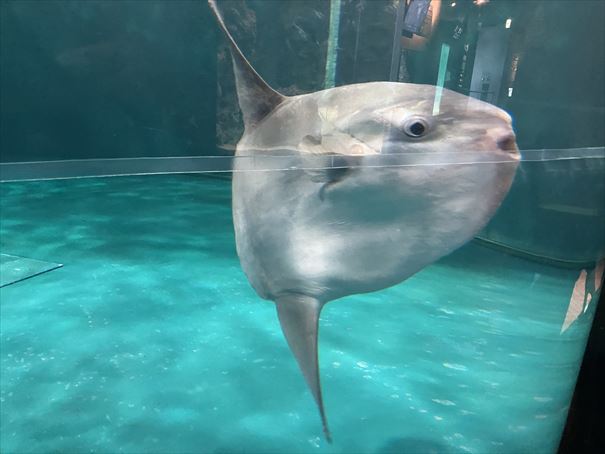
x=507, y=143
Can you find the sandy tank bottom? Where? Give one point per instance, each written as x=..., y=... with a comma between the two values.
x=150, y=339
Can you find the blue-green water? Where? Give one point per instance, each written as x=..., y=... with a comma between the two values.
x=150, y=339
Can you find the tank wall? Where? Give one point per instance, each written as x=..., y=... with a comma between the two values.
x=151, y=68
x=105, y=79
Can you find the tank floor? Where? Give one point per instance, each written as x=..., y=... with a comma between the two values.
x=150, y=339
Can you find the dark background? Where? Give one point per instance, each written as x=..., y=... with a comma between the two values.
x=98, y=79
x=585, y=429
x=128, y=78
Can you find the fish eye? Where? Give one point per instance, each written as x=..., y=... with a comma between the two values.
x=415, y=127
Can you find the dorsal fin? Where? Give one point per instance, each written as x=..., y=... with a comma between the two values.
x=256, y=98
x=299, y=319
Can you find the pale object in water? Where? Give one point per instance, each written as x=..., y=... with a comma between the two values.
x=368, y=199
x=582, y=295
x=576, y=302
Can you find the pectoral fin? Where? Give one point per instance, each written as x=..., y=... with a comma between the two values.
x=299, y=317
x=321, y=164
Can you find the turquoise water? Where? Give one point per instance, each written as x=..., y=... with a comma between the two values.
x=150, y=339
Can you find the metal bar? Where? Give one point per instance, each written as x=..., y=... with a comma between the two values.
x=396, y=55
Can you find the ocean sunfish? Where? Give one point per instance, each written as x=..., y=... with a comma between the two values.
x=348, y=213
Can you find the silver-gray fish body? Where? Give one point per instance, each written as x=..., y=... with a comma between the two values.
x=374, y=226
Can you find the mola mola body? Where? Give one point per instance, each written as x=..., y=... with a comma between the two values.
x=374, y=185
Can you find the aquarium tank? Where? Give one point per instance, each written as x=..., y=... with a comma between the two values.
x=186, y=185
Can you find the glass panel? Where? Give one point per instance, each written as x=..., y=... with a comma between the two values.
x=476, y=323
x=14, y=269
x=377, y=170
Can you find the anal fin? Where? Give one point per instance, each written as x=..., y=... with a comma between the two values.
x=299, y=318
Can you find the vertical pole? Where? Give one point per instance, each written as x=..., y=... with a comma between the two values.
x=357, y=32
x=332, y=55
x=445, y=53
x=396, y=55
